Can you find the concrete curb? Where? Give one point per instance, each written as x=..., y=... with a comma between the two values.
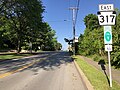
x=85, y=80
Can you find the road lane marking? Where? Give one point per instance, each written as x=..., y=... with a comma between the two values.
x=20, y=69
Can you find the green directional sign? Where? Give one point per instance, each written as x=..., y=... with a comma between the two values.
x=107, y=35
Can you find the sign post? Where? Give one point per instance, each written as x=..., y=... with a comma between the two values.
x=110, y=73
x=108, y=47
x=107, y=16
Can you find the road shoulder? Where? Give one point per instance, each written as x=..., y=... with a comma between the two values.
x=84, y=78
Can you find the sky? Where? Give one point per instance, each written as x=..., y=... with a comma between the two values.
x=59, y=17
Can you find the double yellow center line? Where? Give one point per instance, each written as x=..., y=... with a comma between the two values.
x=14, y=71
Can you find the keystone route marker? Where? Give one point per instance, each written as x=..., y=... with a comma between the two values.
x=107, y=17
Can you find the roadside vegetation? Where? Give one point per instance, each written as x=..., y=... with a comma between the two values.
x=96, y=77
x=22, y=26
x=8, y=56
x=91, y=43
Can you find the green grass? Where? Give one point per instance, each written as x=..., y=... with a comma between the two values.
x=7, y=56
x=96, y=77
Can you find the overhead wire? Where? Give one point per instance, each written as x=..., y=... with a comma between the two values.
x=78, y=2
x=69, y=17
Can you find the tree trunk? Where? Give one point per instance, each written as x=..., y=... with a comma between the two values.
x=19, y=46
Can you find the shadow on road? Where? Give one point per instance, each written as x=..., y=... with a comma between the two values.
x=52, y=61
x=45, y=60
x=10, y=65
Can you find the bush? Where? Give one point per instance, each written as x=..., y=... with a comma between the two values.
x=115, y=58
x=96, y=58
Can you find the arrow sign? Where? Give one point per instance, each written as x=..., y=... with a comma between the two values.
x=107, y=35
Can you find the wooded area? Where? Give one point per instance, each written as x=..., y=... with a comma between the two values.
x=21, y=24
x=91, y=43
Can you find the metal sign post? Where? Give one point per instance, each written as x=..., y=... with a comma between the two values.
x=110, y=69
x=108, y=47
x=107, y=16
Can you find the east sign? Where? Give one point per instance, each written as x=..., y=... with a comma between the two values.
x=106, y=7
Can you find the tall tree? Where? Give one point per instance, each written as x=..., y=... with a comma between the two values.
x=115, y=55
x=92, y=41
x=91, y=22
x=24, y=18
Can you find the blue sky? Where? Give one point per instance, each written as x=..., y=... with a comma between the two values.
x=57, y=11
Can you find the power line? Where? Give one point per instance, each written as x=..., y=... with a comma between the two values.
x=77, y=11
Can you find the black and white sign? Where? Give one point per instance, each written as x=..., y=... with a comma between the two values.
x=106, y=7
x=107, y=18
x=76, y=39
x=108, y=47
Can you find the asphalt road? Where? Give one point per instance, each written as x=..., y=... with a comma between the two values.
x=48, y=71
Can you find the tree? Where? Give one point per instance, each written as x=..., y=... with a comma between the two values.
x=91, y=22
x=48, y=39
x=58, y=46
x=115, y=55
x=22, y=26
x=24, y=17
x=92, y=41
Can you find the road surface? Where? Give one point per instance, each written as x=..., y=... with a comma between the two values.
x=48, y=71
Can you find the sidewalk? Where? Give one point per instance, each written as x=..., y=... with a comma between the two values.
x=115, y=72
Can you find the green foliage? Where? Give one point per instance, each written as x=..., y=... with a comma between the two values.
x=92, y=41
x=91, y=21
x=21, y=23
x=115, y=55
x=116, y=59
x=96, y=58
x=23, y=18
x=49, y=41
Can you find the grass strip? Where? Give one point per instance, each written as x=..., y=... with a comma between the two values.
x=96, y=77
x=12, y=56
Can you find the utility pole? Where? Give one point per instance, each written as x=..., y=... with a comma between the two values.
x=73, y=20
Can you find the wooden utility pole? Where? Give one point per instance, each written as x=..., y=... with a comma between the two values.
x=73, y=20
